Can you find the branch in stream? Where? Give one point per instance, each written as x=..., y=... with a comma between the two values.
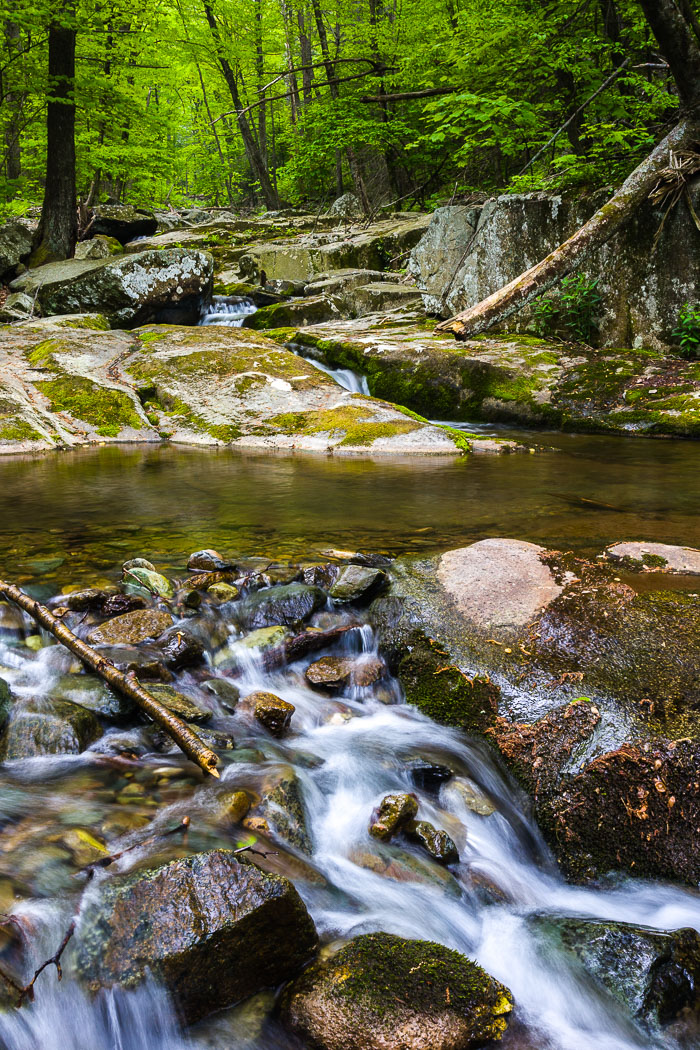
x=127, y=684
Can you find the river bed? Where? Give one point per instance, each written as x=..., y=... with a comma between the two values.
x=74, y=518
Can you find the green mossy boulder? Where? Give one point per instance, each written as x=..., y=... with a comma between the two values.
x=393, y=813
x=213, y=929
x=132, y=628
x=381, y=992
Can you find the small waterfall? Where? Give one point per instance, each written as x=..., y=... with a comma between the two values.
x=225, y=310
x=345, y=377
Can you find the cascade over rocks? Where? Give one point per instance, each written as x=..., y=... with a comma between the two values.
x=212, y=928
x=381, y=992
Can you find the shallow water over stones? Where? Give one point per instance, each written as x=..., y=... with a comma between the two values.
x=312, y=790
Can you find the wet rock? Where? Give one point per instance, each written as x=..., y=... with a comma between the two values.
x=394, y=813
x=653, y=974
x=212, y=929
x=539, y=752
x=48, y=728
x=123, y=222
x=118, y=604
x=437, y=844
x=233, y=806
x=138, y=563
x=381, y=992
x=5, y=702
x=90, y=599
x=145, y=663
x=282, y=809
x=179, y=704
x=94, y=694
x=263, y=641
x=141, y=625
x=270, y=710
x=141, y=580
x=12, y=626
x=180, y=648
x=208, y=561
x=224, y=690
x=223, y=592
x=472, y=796
x=323, y=576
x=284, y=605
x=334, y=672
x=215, y=739
x=355, y=583
x=429, y=775
x=666, y=556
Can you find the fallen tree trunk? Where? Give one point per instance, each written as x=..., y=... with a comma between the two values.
x=592, y=235
x=127, y=684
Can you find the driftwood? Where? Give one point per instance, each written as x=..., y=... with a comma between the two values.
x=127, y=684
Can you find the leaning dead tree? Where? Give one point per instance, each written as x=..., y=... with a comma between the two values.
x=681, y=48
x=126, y=684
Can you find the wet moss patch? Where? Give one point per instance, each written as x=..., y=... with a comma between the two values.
x=350, y=420
x=109, y=411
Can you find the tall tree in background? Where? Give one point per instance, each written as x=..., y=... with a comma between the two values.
x=58, y=227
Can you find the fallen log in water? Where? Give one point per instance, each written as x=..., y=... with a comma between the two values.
x=127, y=684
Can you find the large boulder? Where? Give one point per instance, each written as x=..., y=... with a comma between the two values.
x=470, y=252
x=381, y=992
x=123, y=222
x=213, y=929
x=128, y=291
x=15, y=245
x=345, y=207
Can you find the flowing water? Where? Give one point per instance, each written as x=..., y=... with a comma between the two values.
x=91, y=510
x=345, y=377
x=228, y=311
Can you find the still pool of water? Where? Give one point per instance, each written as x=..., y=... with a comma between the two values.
x=94, y=508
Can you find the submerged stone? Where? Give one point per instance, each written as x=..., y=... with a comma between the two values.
x=381, y=992
x=212, y=929
x=132, y=628
x=653, y=974
x=48, y=728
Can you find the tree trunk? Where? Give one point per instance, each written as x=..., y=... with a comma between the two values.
x=680, y=48
x=599, y=229
x=126, y=684
x=58, y=228
x=250, y=144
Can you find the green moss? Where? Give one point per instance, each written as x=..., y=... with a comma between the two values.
x=91, y=322
x=348, y=418
x=19, y=430
x=103, y=408
x=42, y=354
x=442, y=692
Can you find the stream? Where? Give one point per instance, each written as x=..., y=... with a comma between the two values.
x=72, y=519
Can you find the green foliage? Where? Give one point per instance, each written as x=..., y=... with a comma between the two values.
x=576, y=310
x=156, y=122
x=688, y=331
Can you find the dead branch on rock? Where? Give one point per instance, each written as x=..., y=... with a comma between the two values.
x=126, y=684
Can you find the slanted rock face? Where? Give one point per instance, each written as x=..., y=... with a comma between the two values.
x=129, y=291
x=214, y=930
x=468, y=253
x=123, y=222
x=382, y=992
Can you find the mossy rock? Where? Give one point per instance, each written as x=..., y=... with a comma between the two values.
x=381, y=992
x=48, y=728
